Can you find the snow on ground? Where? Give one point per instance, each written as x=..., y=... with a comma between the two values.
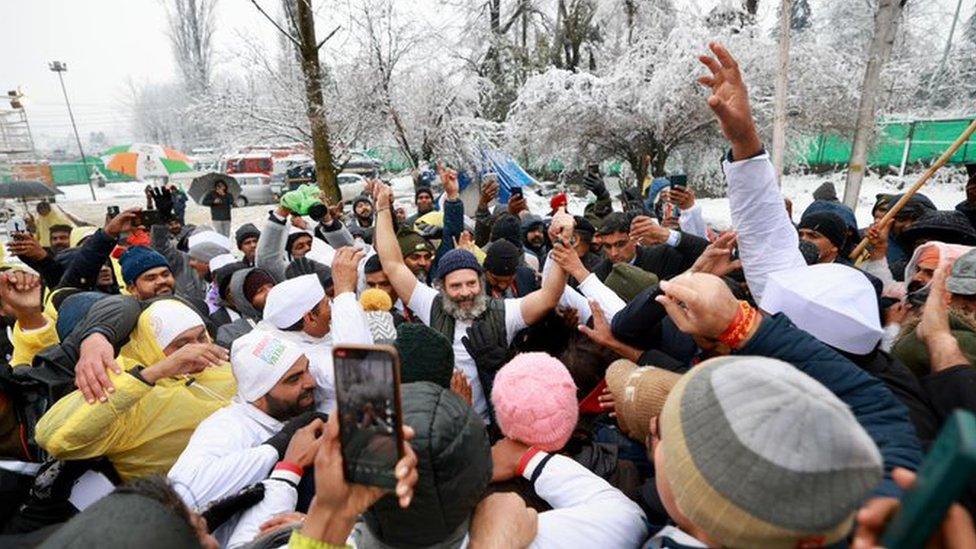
x=798, y=188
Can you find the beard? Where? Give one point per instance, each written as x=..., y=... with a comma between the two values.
x=283, y=410
x=479, y=304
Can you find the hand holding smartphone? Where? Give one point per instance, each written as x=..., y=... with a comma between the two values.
x=367, y=379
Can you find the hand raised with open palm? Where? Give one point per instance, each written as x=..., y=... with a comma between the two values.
x=730, y=101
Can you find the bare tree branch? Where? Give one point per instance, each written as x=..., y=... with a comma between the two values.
x=277, y=26
x=326, y=39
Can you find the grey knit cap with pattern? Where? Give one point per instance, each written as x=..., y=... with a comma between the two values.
x=758, y=454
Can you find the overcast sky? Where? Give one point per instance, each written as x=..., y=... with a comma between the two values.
x=108, y=43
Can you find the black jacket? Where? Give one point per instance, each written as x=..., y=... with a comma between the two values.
x=87, y=260
x=663, y=260
x=968, y=210
x=645, y=325
x=906, y=388
x=219, y=205
x=951, y=389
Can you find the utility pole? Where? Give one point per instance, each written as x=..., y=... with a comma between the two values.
x=59, y=67
x=782, y=82
x=885, y=24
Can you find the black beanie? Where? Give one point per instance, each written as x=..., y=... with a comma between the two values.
x=223, y=275
x=423, y=190
x=425, y=354
x=502, y=258
x=828, y=224
x=292, y=238
x=254, y=281
x=246, y=231
x=508, y=227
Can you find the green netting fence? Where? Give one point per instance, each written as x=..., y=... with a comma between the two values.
x=897, y=143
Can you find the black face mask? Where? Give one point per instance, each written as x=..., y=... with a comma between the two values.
x=916, y=297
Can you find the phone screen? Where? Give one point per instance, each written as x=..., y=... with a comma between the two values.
x=679, y=181
x=367, y=382
x=16, y=225
x=113, y=211
x=517, y=192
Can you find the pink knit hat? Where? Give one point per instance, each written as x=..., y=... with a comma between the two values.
x=535, y=401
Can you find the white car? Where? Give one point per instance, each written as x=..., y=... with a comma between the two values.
x=351, y=185
x=255, y=189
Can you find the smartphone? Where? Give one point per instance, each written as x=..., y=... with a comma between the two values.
x=367, y=382
x=112, y=211
x=944, y=475
x=489, y=177
x=593, y=169
x=517, y=193
x=679, y=181
x=148, y=218
x=16, y=225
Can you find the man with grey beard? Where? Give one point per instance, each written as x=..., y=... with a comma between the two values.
x=459, y=301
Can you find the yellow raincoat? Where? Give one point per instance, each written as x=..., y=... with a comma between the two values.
x=142, y=429
x=43, y=224
x=29, y=343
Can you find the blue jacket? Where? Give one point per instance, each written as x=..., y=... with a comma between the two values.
x=453, y=226
x=877, y=410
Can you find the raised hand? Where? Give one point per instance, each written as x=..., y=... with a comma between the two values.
x=717, y=257
x=382, y=196
x=164, y=201
x=25, y=246
x=489, y=191
x=20, y=291
x=517, y=205
x=122, y=223
x=699, y=304
x=569, y=260
x=878, y=240
x=594, y=183
x=648, y=232
x=337, y=503
x=345, y=269
x=465, y=241
x=730, y=102
x=683, y=198
x=450, y=180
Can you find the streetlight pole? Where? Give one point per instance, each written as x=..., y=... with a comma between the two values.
x=59, y=67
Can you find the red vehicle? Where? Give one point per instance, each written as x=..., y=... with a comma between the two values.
x=249, y=163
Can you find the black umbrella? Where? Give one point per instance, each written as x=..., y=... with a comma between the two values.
x=202, y=185
x=27, y=189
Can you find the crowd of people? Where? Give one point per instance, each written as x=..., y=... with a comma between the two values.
x=628, y=377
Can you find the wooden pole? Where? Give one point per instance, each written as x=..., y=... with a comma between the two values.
x=893, y=211
x=782, y=82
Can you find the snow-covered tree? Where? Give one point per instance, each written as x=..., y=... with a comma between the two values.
x=642, y=108
x=191, y=26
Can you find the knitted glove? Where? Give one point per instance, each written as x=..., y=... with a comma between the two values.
x=280, y=440
x=485, y=347
x=595, y=184
x=163, y=199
